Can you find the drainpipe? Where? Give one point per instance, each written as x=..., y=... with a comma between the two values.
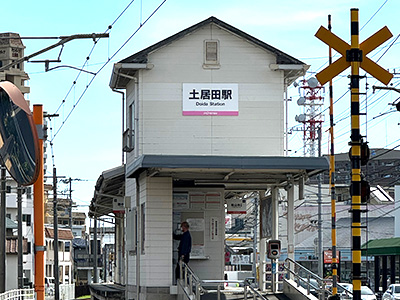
x=123, y=121
x=137, y=106
x=138, y=238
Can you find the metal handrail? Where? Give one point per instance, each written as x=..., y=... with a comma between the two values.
x=193, y=287
x=321, y=282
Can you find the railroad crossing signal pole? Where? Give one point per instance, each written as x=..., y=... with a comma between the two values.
x=354, y=56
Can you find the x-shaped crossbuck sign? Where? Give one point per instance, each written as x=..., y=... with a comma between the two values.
x=342, y=63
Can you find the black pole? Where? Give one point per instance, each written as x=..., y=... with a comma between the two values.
x=20, y=238
x=55, y=226
x=70, y=204
x=95, y=276
x=332, y=180
x=3, y=232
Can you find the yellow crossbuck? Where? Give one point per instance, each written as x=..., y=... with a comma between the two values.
x=342, y=47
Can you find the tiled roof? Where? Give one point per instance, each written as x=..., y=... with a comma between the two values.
x=63, y=233
x=12, y=245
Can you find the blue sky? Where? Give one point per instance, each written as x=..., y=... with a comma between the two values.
x=89, y=142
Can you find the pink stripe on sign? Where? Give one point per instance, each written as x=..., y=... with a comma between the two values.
x=210, y=113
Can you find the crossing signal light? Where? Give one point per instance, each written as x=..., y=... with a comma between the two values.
x=365, y=191
x=273, y=249
x=365, y=153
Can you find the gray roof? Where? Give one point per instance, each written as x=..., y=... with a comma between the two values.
x=281, y=57
x=239, y=172
x=10, y=224
x=109, y=185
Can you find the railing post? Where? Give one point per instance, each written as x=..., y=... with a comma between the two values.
x=185, y=277
x=245, y=291
x=289, y=275
x=219, y=292
x=180, y=270
x=198, y=291
x=322, y=291
x=191, y=283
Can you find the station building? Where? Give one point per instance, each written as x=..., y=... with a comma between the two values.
x=204, y=125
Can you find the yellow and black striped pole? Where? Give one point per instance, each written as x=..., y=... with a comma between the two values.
x=332, y=178
x=354, y=55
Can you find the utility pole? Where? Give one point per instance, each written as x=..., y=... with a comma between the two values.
x=55, y=227
x=20, y=238
x=3, y=231
x=95, y=271
x=320, y=248
x=69, y=182
x=38, y=197
x=332, y=179
x=70, y=204
x=255, y=227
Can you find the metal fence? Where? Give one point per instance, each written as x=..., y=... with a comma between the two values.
x=22, y=294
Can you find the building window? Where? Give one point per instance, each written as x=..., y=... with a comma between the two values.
x=8, y=216
x=129, y=134
x=211, y=53
x=28, y=191
x=67, y=246
x=29, y=247
x=27, y=219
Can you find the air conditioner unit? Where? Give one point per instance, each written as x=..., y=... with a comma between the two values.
x=128, y=140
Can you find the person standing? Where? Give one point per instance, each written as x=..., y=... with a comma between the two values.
x=185, y=246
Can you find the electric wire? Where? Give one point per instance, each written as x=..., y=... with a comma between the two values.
x=90, y=53
x=102, y=67
x=374, y=15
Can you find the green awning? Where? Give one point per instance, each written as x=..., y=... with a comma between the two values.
x=381, y=247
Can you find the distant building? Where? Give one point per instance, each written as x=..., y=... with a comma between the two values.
x=11, y=49
x=65, y=261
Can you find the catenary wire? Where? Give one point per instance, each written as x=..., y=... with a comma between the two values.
x=102, y=67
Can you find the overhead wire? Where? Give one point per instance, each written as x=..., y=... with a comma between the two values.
x=102, y=67
x=109, y=27
x=343, y=113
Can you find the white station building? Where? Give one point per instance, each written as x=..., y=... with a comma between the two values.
x=205, y=116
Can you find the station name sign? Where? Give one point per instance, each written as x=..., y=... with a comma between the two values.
x=210, y=99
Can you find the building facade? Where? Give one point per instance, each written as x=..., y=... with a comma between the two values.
x=205, y=118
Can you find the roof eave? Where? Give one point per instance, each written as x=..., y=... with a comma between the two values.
x=291, y=71
x=126, y=71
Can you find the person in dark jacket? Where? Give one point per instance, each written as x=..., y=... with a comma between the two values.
x=185, y=246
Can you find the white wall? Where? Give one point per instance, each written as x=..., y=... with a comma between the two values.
x=257, y=130
x=156, y=261
x=11, y=272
